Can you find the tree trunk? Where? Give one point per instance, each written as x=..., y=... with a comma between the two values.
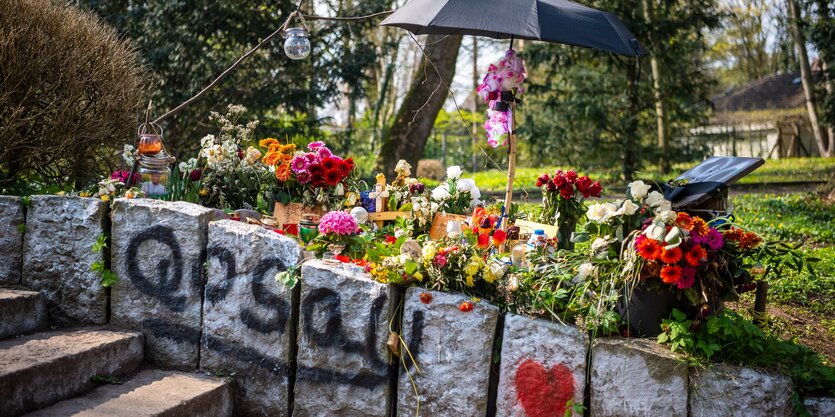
x=806, y=77
x=825, y=54
x=427, y=93
x=474, y=108
x=660, y=107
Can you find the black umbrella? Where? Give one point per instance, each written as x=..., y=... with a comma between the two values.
x=558, y=21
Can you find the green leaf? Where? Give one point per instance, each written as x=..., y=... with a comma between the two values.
x=101, y=243
x=108, y=278
x=21, y=228
x=578, y=237
x=287, y=278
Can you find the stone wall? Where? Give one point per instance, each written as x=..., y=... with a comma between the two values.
x=203, y=292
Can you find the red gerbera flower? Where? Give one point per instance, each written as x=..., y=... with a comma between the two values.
x=345, y=168
x=329, y=164
x=333, y=177
x=483, y=240
x=671, y=274
x=315, y=170
x=649, y=249
x=695, y=255
x=670, y=256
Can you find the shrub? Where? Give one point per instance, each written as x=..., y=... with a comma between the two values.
x=432, y=169
x=69, y=93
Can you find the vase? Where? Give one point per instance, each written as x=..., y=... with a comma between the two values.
x=643, y=307
x=564, y=231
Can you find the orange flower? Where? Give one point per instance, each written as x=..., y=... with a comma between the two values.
x=266, y=143
x=750, y=240
x=733, y=234
x=684, y=221
x=695, y=255
x=286, y=158
x=289, y=148
x=275, y=147
x=649, y=249
x=282, y=172
x=670, y=274
x=670, y=256
x=699, y=227
x=271, y=158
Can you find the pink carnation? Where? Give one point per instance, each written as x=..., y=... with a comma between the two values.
x=338, y=223
x=313, y=146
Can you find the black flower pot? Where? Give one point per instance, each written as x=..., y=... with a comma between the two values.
x=645, y=306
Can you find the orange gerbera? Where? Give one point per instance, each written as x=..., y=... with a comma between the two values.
x=266, y=143
x=699, y=227
x=670, y=256
x=282, y=172
x=271, y=158
x=285, y=157
x=289, y=149
x=670, y=274
x=750, y=240
x=695, y=255
x=684, y=221
x=649, y=249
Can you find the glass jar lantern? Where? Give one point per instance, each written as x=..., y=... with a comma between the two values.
x=155, y=173
x=296, y=43
x=150, y=138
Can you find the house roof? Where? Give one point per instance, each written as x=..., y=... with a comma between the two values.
x=774, y=92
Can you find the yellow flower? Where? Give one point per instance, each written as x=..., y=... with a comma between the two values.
x=471, y=268
x=84, y=194
x=61, y=193
x=289, y=148
x=470, y=282
x=105, y=198
x=429, y=252
x=419, y=276
x=204, y=192
x=266, y=143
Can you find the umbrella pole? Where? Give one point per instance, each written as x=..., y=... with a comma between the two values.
x=511, y=171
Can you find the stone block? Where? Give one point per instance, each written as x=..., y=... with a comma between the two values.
x=343, y=362
x=453, y=350
x=12, y=216
x=636, y=377
x=732, y=391
x=158, y=251
x=543, y=368
x=151, y=393
x=820, y=406
x=41, y=369
x=22, y=312
x=58, y=256
x=247, y=326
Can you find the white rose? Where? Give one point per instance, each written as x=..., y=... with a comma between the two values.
x=252, y=155
x=665, y=205
x=611, y=211
x=628, y=208
x=596, y=212
x=403, y=168
x=441, y=192
x=453, y=172
x=654, y=199
x=465, y=185
x=638, y=189
x=599, y=244
x=666, y=216
x=475, y=193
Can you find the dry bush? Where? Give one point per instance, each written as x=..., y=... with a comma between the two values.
x=69, y=96
x=431, y=168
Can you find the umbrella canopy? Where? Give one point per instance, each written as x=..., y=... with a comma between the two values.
x=558, y=21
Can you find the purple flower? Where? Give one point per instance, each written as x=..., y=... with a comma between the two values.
x=714, y=239
x=339, y=223
x=313, y=146
x=299, y=164
x=324, y=152
x=303, y=177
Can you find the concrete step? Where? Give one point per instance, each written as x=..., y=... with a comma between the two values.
x=22, y=312
x=41, y=369
x=151, y=393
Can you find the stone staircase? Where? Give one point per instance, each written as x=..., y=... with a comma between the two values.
x=61, y=372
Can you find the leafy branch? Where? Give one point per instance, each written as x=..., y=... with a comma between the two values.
x=108, y=277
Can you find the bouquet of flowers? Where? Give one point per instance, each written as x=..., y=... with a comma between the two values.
x=563, y=200
x=339, y=232
x=232, y=176
x=506, y=76
x=456, y=195
x=314, y=178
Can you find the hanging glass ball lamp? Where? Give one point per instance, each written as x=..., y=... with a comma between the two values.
x=296, y=43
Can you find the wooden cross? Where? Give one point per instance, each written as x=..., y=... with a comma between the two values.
x=381, y=196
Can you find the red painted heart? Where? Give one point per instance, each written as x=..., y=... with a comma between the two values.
x=544, y=393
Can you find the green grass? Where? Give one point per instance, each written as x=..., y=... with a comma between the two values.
x=799, y=217
x=774, y=170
